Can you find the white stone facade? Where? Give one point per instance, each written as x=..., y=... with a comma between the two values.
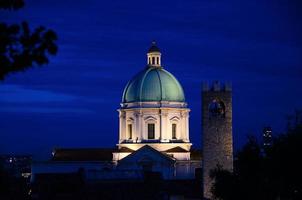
x=137, y=119
x=153, y=112
x=171, y=128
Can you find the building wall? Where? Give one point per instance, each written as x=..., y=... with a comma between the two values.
x=163, y=118
x=186, y=169
x=53, y=167
x=119, y=155
x=180, y=155
x=108, y=171
x=163, y=115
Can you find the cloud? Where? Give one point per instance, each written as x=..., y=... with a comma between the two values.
x=18, y=99
x=18, y=94
x=44, y=110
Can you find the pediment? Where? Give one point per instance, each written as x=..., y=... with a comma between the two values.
x=146, y=154
x=175, y=118
x=150, y=118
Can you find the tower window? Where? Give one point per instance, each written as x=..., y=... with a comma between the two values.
x=153, y=60
x=151, y=131
x=174, y=131
x=130, y=131
x=217, y=108
x=157, y=60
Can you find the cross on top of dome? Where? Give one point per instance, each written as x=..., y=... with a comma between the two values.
x=153, y=48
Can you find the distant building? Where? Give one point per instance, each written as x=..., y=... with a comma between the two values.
x=17, y=165
x=267, y=136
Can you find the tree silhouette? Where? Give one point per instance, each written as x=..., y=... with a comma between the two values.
x=264, y=174
x=21, y=48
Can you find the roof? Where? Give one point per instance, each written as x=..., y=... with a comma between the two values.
x=153, y=48
x=83, y=154
x=196, y=154
x=176, y=150
x=153, y=84
x=141, y=153
x=124, y=149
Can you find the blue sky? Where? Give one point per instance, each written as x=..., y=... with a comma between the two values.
x=72, y=101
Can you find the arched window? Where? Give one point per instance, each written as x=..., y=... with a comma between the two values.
x=174, y=121
x=151, y=131
x=174, y=129
x=153, y=60
x=129, y=129
x=150, y=127
x=157, y=60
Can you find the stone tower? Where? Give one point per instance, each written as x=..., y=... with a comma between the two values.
x=217, y=131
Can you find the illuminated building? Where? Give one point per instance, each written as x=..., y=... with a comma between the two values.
x=16, y=165
x=153, y=133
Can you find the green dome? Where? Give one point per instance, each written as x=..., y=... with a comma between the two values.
x=153, y=84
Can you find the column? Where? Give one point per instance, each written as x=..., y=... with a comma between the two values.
x=181, y=135
x=164, y=127
x=122, y=123
x=138, y=127
x=186, y=138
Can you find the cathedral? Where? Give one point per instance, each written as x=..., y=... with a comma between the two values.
x=154, y=133
x=154, y=120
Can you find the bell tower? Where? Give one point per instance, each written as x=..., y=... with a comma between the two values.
x=217, y=131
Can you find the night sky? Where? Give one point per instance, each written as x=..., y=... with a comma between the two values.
x=72, y=101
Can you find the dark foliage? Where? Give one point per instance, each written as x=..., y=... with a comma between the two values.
x=21, y=48
x=11, y=187
x=11, y=4
x=225, y=182
x=271, y=173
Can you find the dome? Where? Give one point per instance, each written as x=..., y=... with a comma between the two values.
x=153, y=84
